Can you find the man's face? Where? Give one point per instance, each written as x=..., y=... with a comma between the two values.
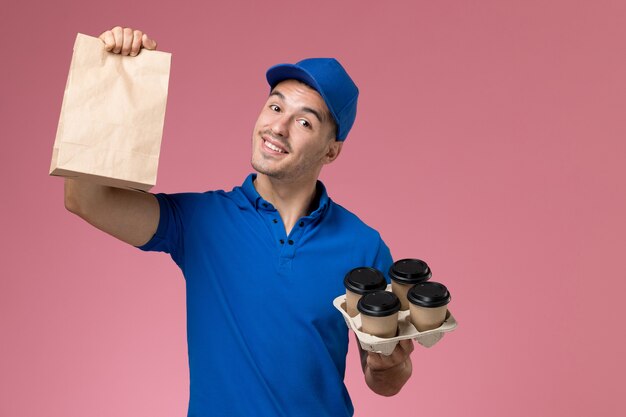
x=294, y=134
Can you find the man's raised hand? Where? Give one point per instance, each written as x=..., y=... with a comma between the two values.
x=126, y=41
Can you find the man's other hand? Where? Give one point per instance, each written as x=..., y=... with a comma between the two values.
x=386, y=375
x=126, y=41
x=400, y=355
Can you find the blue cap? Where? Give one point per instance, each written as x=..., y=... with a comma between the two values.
x=330, y=79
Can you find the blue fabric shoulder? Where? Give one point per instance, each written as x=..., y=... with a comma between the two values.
x=176, y=211
x=377, y=250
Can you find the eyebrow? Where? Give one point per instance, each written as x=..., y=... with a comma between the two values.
x=304, y=109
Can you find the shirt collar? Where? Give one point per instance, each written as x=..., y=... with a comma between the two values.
x=253, y=197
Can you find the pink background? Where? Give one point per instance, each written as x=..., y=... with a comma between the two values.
x=489, y=142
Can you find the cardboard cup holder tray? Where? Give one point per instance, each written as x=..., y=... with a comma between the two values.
x=406, y=330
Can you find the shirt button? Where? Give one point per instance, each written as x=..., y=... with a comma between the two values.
x=290, y=242
x=264, y=204
x=301, y=224
x=275, y=221
x=282, y=241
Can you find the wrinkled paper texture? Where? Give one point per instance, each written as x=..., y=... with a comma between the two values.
x=112, y=116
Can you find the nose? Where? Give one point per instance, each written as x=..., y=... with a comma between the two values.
x=280, y=125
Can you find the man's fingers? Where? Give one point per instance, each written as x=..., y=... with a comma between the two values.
x=148, y=43
x=400, y=354
x=108, y=39
x=127, y=41
x=136, y=43
x=377, y=362
x=118, y=35
x=407, y=345
x=402, y=351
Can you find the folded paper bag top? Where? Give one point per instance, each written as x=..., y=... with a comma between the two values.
x=112, y=116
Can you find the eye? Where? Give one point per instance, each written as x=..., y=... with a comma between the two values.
x=304, y=123
x=274, y=107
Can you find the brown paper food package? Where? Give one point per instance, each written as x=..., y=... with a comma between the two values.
x=112, y=116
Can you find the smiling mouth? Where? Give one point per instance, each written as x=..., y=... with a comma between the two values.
x=269, y=145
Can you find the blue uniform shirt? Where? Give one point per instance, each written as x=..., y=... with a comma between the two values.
x=264, y=338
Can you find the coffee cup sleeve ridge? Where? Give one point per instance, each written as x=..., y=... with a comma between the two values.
x=406, y=330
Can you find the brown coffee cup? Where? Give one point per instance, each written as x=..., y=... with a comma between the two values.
x=360, y=281
x=428, y=305
x=379, y=313
x=404, y=274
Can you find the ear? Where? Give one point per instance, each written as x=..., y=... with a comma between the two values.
x=334, y=149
